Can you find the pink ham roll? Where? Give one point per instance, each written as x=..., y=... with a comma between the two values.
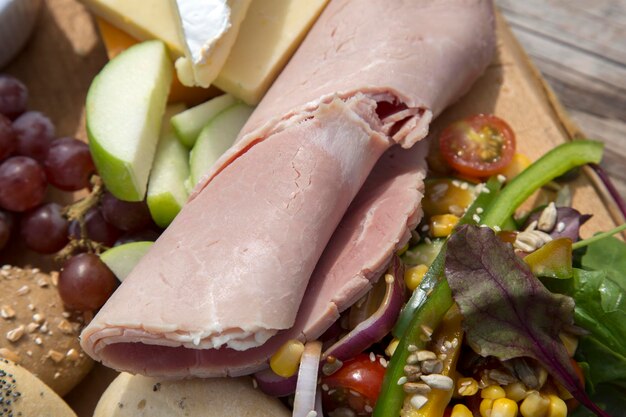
x=294, y=222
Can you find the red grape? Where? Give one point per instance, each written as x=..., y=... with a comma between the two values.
x=34, y=134
x=13, y=96
x=69, y=164
x=8, y=141
x=44, y=229
x=97, y=228
x=6, y=224
x=22, y=183
x=125, y=215
x=85, y=282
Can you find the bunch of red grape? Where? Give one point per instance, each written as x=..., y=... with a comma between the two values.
x=31, y=158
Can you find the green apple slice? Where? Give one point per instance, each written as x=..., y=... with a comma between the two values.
x=216, y=138
x=166, y=189
x=188, y=124
x=123, y=258
x=125, y=106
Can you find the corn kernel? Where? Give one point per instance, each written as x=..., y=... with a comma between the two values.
x=403, y=249
x=414, y=275
x=557, y=408
x=493, y=392
x=441, y=225
x=534, y=405
x=516, y=391
x=466, y=386
x=517, y=165
x=391, y=347
x=286, y=360
x=504, y=407
x=461, y=410
x=485, y=407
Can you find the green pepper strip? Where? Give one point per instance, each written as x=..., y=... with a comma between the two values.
x=551, y=165
x=433, y=298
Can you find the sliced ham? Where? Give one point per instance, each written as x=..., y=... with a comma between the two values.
x=283, y=234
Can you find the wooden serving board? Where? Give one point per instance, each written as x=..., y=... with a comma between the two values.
x=65, y=54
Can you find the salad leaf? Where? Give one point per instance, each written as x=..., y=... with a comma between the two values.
x=507, y=312
x=608, y=255
x=611, y=398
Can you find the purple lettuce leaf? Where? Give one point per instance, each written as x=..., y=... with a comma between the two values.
x=507, y=312
x=571, y=219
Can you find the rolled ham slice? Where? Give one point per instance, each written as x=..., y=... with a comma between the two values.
x=267, y=228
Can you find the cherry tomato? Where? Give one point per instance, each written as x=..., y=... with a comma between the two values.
x=354, y=386
x=478, y=146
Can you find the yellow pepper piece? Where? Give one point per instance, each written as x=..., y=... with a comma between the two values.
x=446, y=340
x=443, y=196
x=554, y=259
x=517, y=165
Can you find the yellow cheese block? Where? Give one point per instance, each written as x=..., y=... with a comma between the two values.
x=116, y=41
x=268, y=36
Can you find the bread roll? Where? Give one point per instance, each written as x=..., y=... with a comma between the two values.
x=137, y=396
x=36, y=331
x=23, y=394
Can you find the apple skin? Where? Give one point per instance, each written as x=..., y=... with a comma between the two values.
x=188, y=124
x=215, y=139
x=166, y=188
x=124, y=109
x=123, y=258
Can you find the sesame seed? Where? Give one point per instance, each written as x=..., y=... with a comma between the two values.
x=15, y=334
x=418, y=401
x=501, y=178
x=428, y=331
x=485, y=190
x=38, y=341
x=438, y=381
x=383, y=362
x=38, y=318
x=428, y=241
x=476, y=218
x=479, y=210
x=497, y=228
x=368, y=408
x=402, y=380
x=388, y=278
x=324, y=387
x=372, y=357
x=23, y=290
x=560, y=227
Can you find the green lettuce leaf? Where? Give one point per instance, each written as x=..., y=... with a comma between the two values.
x=507, y=312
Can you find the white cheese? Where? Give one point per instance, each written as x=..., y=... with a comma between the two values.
x=208, y=29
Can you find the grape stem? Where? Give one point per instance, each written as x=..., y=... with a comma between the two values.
x=77, y=212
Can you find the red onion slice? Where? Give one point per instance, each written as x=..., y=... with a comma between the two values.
x=379, y=324
x=306, y=387
x=275, y=385
x=619, y=201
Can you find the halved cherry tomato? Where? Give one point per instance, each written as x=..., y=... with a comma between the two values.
x=479, y=145
x=355, y=386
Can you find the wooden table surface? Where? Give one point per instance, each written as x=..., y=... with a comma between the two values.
x=580, y=48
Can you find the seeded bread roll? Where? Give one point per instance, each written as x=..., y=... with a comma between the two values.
x=36, y=331
x=139, y=396
x=23, y=394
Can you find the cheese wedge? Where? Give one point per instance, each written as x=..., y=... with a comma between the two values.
x=268, y=36
x=208, y=28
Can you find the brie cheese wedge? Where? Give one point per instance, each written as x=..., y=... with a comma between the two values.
x=208, y=29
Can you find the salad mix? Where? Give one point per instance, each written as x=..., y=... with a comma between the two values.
x=508, y=314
